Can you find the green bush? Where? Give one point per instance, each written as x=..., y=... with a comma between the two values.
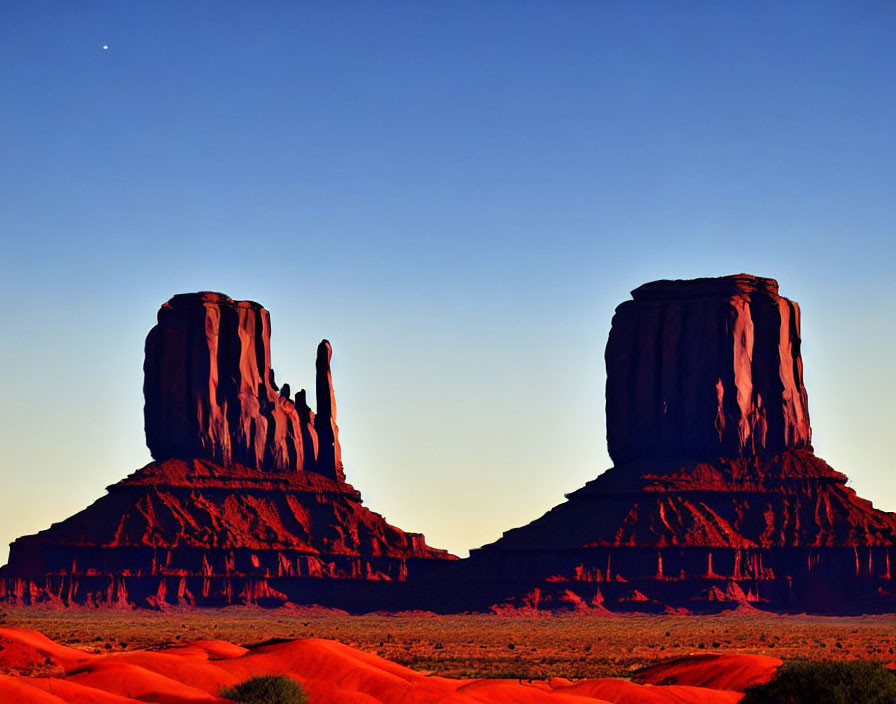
x=268, y=689
x=802, y=682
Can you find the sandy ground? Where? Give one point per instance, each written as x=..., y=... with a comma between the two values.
x=198, y=672
x=470, y=646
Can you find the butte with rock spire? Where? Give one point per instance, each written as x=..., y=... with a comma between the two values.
x=716, y=499
x=246, y=501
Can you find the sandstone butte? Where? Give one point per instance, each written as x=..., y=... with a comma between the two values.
x=246, y=501
x=716, y=499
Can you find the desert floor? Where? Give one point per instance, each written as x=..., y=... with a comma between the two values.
x=468, y=646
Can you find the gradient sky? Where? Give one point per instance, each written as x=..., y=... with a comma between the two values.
x=457, y=195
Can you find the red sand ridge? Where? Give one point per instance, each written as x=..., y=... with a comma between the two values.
x=44, y=672
x=716, y=499
x=247, y=500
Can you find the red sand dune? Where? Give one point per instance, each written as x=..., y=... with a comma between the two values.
x=333, y=673
x=69, y=692
x=622, y=692
x=735, y=672
x=24, y=649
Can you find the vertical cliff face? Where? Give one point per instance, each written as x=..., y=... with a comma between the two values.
x=705, y=368
x=210, y=393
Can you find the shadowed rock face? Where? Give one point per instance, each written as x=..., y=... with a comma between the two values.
x=246, y=502
x=706, y=368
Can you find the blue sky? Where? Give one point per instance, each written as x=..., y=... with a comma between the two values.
x=457, y=195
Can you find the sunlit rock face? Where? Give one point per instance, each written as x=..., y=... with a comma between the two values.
x=246, y=502
x=210, y=391
x=706, y=368
x=716, y=498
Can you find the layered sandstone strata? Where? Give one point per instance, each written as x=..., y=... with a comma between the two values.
x=195, y=533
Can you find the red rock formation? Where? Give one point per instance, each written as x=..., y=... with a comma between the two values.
x=210, y=391
x=330, y=455
x=247, y=501
x=706, y=368
x=716, y=499
x=781, y=532
x=197, y=533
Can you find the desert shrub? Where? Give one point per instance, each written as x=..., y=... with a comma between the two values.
x=802, y=682
x=267, y=689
